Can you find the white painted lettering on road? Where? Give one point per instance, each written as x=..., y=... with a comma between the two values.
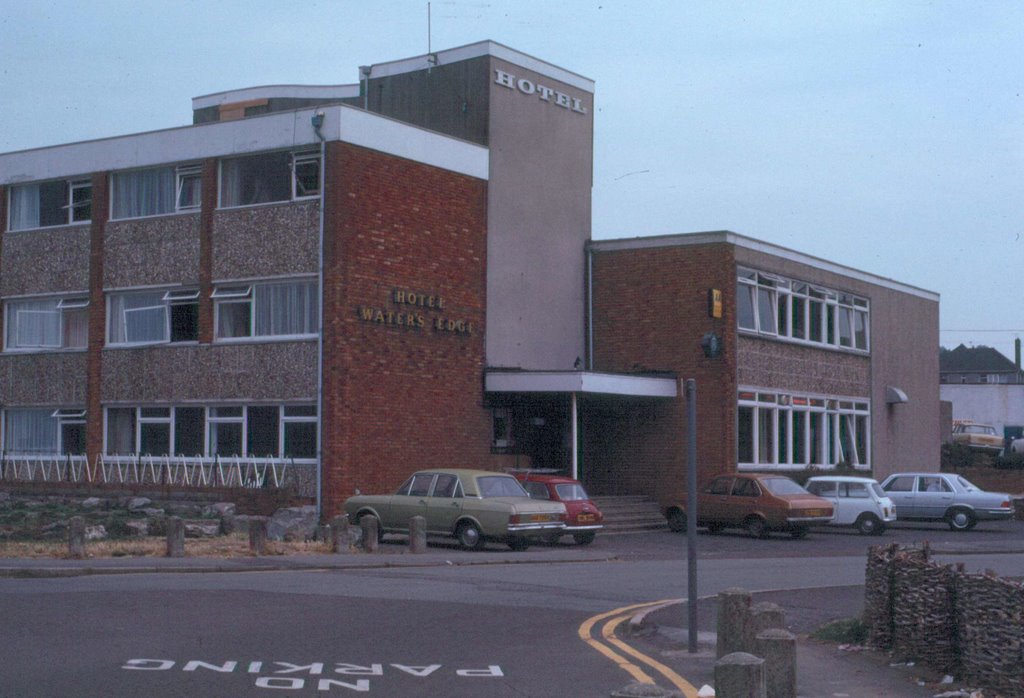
x=275, y=669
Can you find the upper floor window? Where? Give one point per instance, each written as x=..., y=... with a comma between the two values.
x=151, y=317
x=50, y=323
x=45, y=204
x=289, y=309
x=776, y=306
x=155, y=191
x=269, y=177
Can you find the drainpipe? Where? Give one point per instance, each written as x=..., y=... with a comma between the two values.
x=318, y=122
x=590, y=308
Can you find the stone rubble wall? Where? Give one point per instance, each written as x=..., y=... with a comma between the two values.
x=969, y=625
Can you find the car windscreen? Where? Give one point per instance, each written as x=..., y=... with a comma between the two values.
x=877, y=489
x=782, y=486
x=571, y=492
x=500, y=486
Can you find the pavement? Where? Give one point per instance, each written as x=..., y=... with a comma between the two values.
x=824, y=670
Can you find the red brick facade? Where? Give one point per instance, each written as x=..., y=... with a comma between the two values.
x=399, y=393
x=650, y=313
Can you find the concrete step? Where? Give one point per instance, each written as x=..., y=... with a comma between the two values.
x=630, y=513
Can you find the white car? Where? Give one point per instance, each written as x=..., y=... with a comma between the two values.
x=858, y=501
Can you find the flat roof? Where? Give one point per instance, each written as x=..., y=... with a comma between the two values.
x=497, y=381
x=276, y=131
x=731, y=238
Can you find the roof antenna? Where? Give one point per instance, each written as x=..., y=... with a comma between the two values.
x=431, y=56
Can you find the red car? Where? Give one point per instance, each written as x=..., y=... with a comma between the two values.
x=582, y=519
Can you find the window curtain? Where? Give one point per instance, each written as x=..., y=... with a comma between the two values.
x=143, y=193
x=25, y=207
x=120, y=431
x=137, y=318
x=76, y=328
x=33, y=324
x=230, y=183
x=286, y=309
x=30, y=432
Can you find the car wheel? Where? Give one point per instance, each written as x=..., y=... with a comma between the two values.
x=676, y=520
x=800, y=532
x=756, y=527
x=960, y=520
x=518, y=544
x=551, y=537
x=584, y=537
x=868, y=525
x=468, y=535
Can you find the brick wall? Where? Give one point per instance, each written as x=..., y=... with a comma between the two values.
x=400, y=394
x=650, y=312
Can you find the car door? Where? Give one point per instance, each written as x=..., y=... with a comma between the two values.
x=445, y=504
x=745, y=500
x=713, y=502
x=413, y=503
x=900, y=489
x=934, y=496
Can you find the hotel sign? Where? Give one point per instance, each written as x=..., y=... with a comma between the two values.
x=415, y=310
x=542, y=92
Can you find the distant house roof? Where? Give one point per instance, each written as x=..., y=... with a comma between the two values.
x=974, y=360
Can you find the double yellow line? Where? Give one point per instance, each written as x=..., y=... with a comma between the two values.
x=608, y=640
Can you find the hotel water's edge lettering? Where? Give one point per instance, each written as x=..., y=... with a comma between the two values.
x=411, y=309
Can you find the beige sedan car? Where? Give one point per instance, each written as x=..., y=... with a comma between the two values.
x=473, y=506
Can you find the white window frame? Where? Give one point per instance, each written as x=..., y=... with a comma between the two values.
x=228, y=294
x=778, y=295
x=71, y=303
x=170, y=297
x=69, y=207
x=775, y=407
x=183, y=174
x=295, y=159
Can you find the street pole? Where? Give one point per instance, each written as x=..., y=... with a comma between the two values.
x=691, y=511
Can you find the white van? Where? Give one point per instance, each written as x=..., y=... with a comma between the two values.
x=858, y=501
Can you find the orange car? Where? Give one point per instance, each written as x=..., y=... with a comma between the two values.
x=756, y=503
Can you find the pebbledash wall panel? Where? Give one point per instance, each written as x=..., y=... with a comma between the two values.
x=650, y=313
x=404, y=307
x=45, y=261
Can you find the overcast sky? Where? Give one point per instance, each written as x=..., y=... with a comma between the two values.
x=886, y=135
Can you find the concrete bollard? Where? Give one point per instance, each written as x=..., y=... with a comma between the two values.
x=740, y=675
x=417, y=534
x=778, y=649
x=341, y=535
x=175, y=537
x=764, y=616
x=733, y=619
x=258, y=535
x=76, y=538
x=371, y=533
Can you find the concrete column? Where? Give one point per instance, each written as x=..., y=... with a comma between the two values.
x=76, y=538
x=764, y=616
x=371, y=533
x=778, y=649
x=733, y=617
x=341, y=537
x=417, y=534
x=258, y=535
x=740, y=675
x=175, y=537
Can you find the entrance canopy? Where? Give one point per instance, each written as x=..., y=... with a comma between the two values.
x=580, y=382
x=544, y=435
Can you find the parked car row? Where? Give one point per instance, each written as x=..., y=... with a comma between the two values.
x=476, y=506
x=761, y=503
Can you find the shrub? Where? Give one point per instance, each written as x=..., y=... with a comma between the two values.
x=846, y=631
